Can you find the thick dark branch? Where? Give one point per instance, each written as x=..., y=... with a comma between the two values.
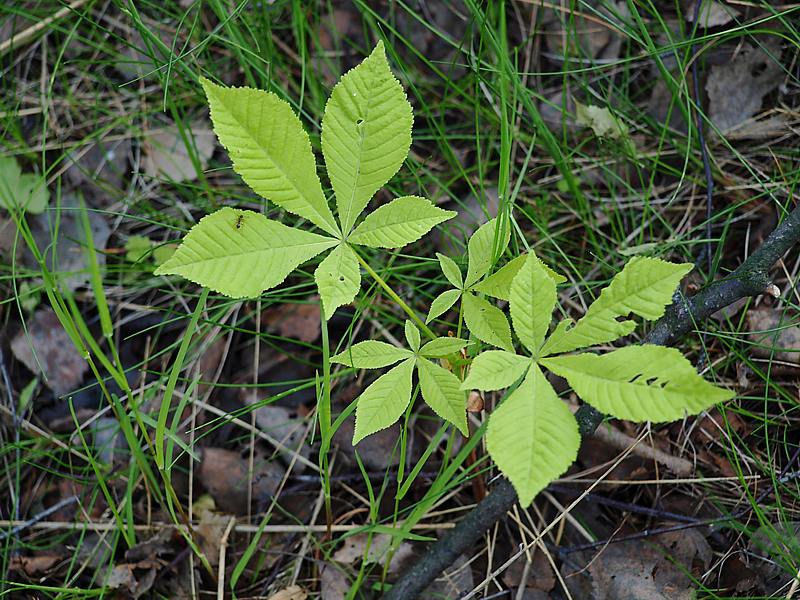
x=750, y=279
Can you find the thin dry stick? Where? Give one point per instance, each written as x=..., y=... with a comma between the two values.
x=223, y=547
x=751, y=278
x=26, y=34
x=614, y=437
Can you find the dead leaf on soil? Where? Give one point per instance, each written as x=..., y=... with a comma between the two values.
x=166, y=153
x=540, y=573
x=601, y=121
x=66, y=255
x=293, y=592
x=655, y=569
x=774, y=334
x=285, y=426
x=737, y=88
x=47, y=349
x=712, y=13
x=294, y=321
x=34, y=566
x=224, y=475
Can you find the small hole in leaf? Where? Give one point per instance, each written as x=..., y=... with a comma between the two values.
x=359, y=121
x=341, y=278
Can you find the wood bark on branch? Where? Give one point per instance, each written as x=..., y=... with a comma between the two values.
x=751, y=278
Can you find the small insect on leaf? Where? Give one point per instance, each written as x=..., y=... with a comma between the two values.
x=239, y=221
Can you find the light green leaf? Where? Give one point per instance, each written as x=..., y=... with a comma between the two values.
x=21, y=190
x=366, y=134
x=644, y=287
x=442, y=392
x=270, y=150
x=442, y=303
x=533, y=297
x=498, y=284
x=600, y=119
x=532, y=436
x=450, y=270
x=495, y=370
x=639, y=383
x=137, y=247
x=481, y=250
x=412, y=335
x=241, y=253
x=383, y=402
x=371, y=354
x=487, y=322
x=338, y=279
x=398, y=223
x=443, y=346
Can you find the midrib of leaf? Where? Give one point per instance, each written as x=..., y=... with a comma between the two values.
x=362, y=134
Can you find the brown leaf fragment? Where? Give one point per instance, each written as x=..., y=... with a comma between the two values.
x=47, y=349
x=737, y=88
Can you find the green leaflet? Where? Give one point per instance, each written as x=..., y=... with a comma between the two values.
x=450, y=270
x=443, y=346
x=442, y=303
x=481, y=250
x=644, y=287
x=338, y=279
x=21, y=190
x=366, y=134
x=639, y=383
x=441, y=390
x=498, y=284
x=486, y=322
x=270, y=150
x=383, y=402
x=495, y=370
x=402, y=221
x=371, y=354
x=532, y=436
x=241, y=253
x=412, y=335
x=533, y=297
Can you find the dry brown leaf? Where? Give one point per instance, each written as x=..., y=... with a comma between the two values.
x=737, y=88
x=34, y=566
x=293, y=592
x=774, y=334
x=712, y=13
x=295, y=321
x=166, y=154
x=47, y=349
x=224, y=474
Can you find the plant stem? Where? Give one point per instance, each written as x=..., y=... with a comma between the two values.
x=397, y=299
x=749, y=279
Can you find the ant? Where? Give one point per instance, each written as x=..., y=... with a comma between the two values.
x=239, y=220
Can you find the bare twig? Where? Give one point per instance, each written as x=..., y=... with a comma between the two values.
x=751, y=278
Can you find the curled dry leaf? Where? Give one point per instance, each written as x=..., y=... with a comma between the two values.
x=293, y=592
x=774, y=334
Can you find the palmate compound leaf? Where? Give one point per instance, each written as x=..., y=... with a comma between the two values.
x=270, y=150
x=481, y=249
x=371, y=354
x=638, y=383
x=402, y=221
x=644, y=287
x=532, y=436
x=533, y=297
x=338, y=278
x=441, y=390
x=366, y=134
x=241, y=253
x=383, y=402
x=495, y=370
x=486, y=322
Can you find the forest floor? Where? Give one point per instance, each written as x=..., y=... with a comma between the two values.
x=679, y=123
